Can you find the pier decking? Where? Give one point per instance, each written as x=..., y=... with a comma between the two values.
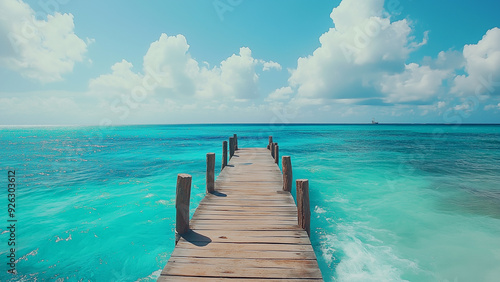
x=246, y=230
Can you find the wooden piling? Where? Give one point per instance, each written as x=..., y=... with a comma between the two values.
x=270, y=142
x=303, y=209
x=182, y=197
x=231, y=147
x=210, y=172
x=235, y=142
x=276, y=154
x=272, y=149
x=224, y=154
x=286, y=163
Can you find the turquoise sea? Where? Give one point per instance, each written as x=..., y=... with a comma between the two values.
x=389, y=202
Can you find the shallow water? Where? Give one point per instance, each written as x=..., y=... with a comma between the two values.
x=390, y=202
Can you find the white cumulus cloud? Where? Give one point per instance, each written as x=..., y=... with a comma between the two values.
x=280, y=94
x=122, y=79
x=270, y=65
x=43, y=50
x=482, y=64
x=169, y=56
x=415, y=84
x=363, y=46
x=173, y=74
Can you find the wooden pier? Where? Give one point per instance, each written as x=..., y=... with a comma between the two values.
x=247, y=228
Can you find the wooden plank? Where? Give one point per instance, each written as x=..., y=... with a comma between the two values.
x=243, y=216
x=246, y=220
x=248, y=237
x=246, y=209
x=241, y=196
x=263, y=203
x=248, y=204
x=245, y=230
x=271, y=197
x=244, y=227
x=244, y=246
x=277, y=263
x=230, y=253
x=228, y=270
x=232, y=235
x=211, y=279
x=255, y=222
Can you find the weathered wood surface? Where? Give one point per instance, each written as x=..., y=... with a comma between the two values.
x=286, y=164
x=224, y=154
x=210, y=185
x=303, y=209
x=276, y=154
x=182, y=199
x=246, y=230
x=231, y=147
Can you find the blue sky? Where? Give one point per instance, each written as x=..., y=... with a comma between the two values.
x=136, y=62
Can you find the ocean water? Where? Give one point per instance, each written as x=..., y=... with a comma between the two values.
x=389, y=202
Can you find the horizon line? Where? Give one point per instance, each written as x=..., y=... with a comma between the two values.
x=241, y=123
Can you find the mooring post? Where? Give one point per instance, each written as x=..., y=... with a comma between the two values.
x=231, y=147
x=182, y=197
x=286, y=163
x=224, y=154
x=270, y=142
x=210, y=172
x=303, y=209
x=272, y=149
x=235, y=142
x=276, y=154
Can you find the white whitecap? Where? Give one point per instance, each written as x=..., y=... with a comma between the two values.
x=318, y=209
x=161, y=202
x=61, y=239
x=25, y=257
x=151, y=277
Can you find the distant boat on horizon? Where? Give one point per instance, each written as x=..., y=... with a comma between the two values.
x=373, y=121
